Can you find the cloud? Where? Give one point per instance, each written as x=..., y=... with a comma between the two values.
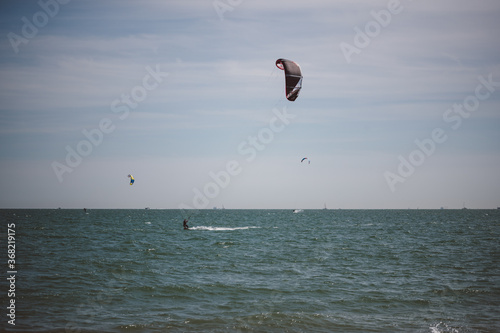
x=223, y=85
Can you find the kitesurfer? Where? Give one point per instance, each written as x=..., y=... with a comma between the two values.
x=185, y=224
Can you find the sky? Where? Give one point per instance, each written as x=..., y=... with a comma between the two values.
x=400, y=105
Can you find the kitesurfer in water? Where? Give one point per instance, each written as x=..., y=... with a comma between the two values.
x=185, y=224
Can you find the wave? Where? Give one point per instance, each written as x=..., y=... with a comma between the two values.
x=220, y=228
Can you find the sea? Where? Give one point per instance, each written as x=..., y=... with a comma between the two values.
x=106, y=270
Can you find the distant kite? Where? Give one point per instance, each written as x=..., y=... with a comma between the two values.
x=305, y=158
x=293, y=78
x=131, y=179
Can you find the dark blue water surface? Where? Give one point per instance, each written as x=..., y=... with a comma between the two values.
x=254, y=271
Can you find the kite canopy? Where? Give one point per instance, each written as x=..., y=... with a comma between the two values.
x=293, y=77
x=131, y=179
x=305, y=158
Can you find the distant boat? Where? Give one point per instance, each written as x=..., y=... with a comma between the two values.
x=295, y=211
x=325, y=207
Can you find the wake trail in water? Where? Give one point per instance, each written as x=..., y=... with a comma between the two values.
x=221, y=228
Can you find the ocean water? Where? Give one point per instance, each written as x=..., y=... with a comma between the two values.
x=253, y=271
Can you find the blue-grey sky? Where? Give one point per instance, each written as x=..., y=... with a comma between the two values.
x=400, y=106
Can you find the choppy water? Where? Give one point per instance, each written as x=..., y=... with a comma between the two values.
x=255, y=271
